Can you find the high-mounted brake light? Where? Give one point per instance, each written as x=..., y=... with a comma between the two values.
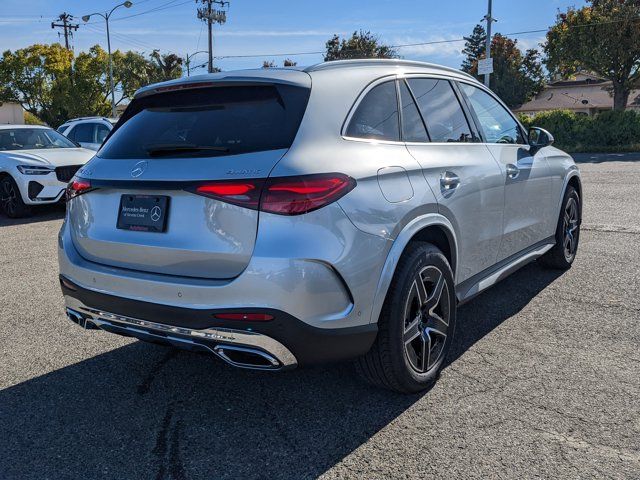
x=183, y=86
x=281, y=195
x=78, y=186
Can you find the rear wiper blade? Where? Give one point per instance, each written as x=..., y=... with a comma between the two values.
x=168, y=149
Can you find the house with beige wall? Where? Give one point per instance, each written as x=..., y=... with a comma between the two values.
x=12, y=113
x=584, y=93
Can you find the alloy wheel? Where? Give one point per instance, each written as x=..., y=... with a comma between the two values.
x=570, y=240
x=426, y=319
x=8, y=198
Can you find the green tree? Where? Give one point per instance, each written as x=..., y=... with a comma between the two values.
x=474, y=48
x=38, y=77
x=516, y=78
x=54, y=86
x=603, y=37
x=165, y=66
x=360, y=45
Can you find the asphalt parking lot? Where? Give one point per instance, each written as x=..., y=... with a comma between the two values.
x=543, y=382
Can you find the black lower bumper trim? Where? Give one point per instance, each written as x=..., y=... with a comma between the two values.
x=310, y=345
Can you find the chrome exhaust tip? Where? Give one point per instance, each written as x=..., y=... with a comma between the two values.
x=80, y=319
x=243, y=357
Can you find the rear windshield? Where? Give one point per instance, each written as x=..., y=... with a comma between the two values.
x=208, y=122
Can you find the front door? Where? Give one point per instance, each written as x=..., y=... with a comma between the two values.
x=528, y=199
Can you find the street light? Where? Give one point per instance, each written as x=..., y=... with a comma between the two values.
x=188, y=60
x=106, y=17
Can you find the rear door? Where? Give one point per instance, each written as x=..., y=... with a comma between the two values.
x=526, y=176
x=167, y=145
x=462, y=174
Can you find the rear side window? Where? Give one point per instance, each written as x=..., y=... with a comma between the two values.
x=441, y=110
x=376, y=117
x=83, y=132
x=209, y=122
x=413, y=129
x=497, y=124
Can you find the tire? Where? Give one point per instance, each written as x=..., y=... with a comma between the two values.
x=562, y=255
x=11, y=200
x=416, y=326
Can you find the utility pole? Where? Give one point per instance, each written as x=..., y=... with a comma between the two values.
x=67, y=26
x=207, y=14
x=489, y=18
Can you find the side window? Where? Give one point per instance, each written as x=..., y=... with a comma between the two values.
x=101, y=133
x=83, y=132
x=377, y=115
x=441, y=110
x=496, y=122
x=413, y=129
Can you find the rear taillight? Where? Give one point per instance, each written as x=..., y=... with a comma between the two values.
x=296, y=195
x=283, y=195
x=78, y=186
x=245, y=193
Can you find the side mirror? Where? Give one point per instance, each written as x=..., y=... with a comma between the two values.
x=539, y=138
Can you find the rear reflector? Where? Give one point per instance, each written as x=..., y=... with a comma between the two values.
x=249, y=317
x=283, y=195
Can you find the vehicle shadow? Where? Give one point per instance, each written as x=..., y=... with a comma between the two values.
x=43, y=213
x=144, y=411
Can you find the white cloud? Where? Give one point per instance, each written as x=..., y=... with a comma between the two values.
x=448, y=46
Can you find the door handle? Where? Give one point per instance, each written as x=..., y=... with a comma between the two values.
x=449, y=181
x=512, y=171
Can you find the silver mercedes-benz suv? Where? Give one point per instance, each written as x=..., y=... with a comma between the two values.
x=283, y=217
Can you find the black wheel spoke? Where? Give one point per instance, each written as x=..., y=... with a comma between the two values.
x=420, y=290
x=426, y=350
x=436, y=294
x=412, y=331
x=437, y=323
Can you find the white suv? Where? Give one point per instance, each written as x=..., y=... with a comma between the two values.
x=89, y=132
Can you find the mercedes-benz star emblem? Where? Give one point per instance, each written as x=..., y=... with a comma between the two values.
x=156, y=213
x=138, y=169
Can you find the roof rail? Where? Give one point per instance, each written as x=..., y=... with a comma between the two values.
x=372, y=62
x=87, y=118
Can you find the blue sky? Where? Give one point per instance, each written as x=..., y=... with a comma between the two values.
x=269, y=27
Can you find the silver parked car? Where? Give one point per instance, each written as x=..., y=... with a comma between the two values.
x=89, y=132
x=291, y=217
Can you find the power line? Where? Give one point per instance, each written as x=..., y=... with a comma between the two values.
x=417, y=44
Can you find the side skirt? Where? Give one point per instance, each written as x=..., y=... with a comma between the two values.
x=475, y=285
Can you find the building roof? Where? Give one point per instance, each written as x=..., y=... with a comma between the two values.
x=581, y=92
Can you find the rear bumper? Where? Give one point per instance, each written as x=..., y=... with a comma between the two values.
x=282, y=343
